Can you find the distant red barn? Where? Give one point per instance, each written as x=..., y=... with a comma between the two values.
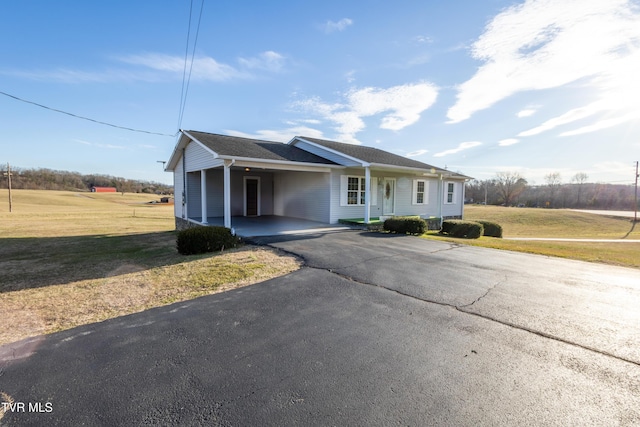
x=103, y=190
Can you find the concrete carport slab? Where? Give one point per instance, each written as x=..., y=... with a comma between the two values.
x=273, y=225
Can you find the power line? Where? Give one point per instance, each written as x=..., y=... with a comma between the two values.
x=185, y=87
x=85, y=118
x=184, y=70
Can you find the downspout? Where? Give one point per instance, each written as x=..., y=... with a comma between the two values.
x=184, y=184
x=463, y=199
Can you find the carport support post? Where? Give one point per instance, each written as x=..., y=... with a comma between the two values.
x=203, y=194
x=227, y=193
x=367, y=195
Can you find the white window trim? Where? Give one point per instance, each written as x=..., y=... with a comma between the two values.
x=425, y=198
x=344, y=190
x=454, y=193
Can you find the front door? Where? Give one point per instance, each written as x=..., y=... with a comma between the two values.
x=251, y=191
x=388, y=196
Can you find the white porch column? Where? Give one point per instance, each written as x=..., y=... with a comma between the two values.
x=227, y=193
x=440, y=198
x=203, y=194
x=367, y=195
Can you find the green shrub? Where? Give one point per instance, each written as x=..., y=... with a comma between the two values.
x=460, y=228
x=198, y=240
x=447, y=226
x=491, y=229
x=409, y=225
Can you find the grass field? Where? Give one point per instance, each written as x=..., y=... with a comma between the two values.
x=530, y=222
x=74, y=258
x=68, y=258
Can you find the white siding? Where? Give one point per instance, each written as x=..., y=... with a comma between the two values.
x=341, y=160
x=403, y=196
x=344, y=212
x=197, y=157
x=194, y=204
x=215, y=192
x=301, y=195
x=237, y=192
x=455, y=208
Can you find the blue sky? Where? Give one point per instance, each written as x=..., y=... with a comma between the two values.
x=477, y=86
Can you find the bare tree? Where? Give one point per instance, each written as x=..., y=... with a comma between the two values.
x=553, y=180
x=509, y=185
x=580, y=178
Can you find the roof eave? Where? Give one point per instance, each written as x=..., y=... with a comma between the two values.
x=279, y=162
x=430, y=170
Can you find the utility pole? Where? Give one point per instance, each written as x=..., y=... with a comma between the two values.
x=8, y=175
x=486, y=184
x=635, y=205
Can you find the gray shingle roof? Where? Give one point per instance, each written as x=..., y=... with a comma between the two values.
x=253, y=148
x=370, y=154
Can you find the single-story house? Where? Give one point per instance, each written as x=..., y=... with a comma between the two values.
x=219, y=176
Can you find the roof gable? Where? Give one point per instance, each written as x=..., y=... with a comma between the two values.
x=233, y=146
x=368, y=154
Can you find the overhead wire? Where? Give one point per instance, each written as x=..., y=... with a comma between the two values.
x=184, y=69
x=185, y=85
x=186, y=79
x=83, y=117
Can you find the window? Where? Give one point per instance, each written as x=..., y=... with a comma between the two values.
x=420, y=192
x=451, y=192
x=353, y=189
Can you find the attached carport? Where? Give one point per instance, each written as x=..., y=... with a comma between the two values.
x=253, y=191
x=238, y=185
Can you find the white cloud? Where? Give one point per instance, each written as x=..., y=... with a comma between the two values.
x=401, y=106
x=527, y=112
x=542, y=44
x=423, y=39
x=100, y=145
x=603, y=124
x=204, y=67
x=269, y=60
x=417, y=153
x=341, y=25
x=568, y=117
x=461, y=147
x=350, y=76
x=282, y=135
x=508, y=141
x=156, y=67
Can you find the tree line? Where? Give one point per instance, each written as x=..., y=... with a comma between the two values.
x=512, y=189
x=47, y=179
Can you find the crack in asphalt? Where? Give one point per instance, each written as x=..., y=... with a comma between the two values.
x=461, y=308
x=491, y=288
x=451, y=247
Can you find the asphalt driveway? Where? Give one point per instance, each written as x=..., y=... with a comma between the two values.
x=374, y=330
